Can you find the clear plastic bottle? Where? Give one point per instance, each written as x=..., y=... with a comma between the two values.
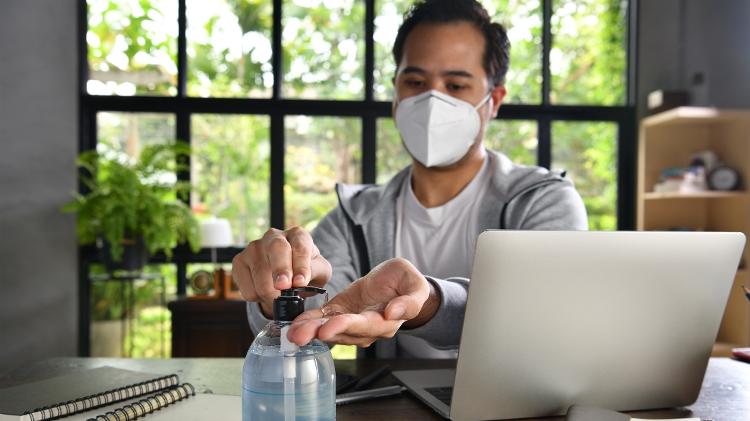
x=281, y=381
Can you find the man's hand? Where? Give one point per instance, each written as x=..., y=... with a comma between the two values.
x=372, y=307
x=279, y=260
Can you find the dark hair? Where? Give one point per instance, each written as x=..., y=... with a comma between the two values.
x=496, y=45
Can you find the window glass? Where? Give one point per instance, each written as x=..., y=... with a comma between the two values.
x=230, y=171
x=388, y=18
x=229, y=48
x=125, y=134
x=588, y=55
x=129, y=318
x=324, y=51
x=523, y=21
x=516, y=139
x=132, y=47
x=391, y=152
x=587, y=151
x=320, y=151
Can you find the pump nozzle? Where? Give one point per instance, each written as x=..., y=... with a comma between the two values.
x=291, y=303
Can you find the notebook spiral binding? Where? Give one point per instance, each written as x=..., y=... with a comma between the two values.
x=64, y=409
x=148, y=405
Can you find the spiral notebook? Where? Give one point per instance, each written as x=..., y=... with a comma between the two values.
x=108, y=393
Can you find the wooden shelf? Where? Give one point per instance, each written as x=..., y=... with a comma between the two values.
x=701, y=195
x=671, y=139
x=694, y=115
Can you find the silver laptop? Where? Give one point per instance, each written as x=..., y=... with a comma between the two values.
x=620, y=320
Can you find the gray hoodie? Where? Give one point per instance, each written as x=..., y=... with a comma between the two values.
x=359, y=234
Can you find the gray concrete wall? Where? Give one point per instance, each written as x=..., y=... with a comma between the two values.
x=39, y=138
x=682, y=42
x=660, y=53
x=717, y=44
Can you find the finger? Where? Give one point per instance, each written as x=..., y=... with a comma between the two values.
x=241, y=274
x=320, y=270
x=263, y=280
x=368, y=324
x=315, y=313
x=278, y=254
x=404, y=307
x=264, y=287
x=303, y=331
x=301, y=244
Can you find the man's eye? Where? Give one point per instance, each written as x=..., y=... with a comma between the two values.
x=455, y=87
x=414, y=83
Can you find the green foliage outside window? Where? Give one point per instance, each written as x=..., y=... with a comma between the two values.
x=229, y=48
x=231, y=171
x=132, y=47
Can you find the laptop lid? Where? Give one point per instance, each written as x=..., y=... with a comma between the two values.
x=620, y=320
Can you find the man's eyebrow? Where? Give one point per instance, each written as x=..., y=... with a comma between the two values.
x=459, y=73
x=454, y=73
x=413, y=69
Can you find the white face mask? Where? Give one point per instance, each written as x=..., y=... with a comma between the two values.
x=438, y=129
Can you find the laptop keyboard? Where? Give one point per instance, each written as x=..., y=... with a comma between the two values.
x=443, y=394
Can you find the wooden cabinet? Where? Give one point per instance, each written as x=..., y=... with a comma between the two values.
x=670, y=139
x=209, y=328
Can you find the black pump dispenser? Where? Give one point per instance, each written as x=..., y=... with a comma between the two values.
x=291, y=302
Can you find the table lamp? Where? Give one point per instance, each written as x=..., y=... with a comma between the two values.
x=215, y=233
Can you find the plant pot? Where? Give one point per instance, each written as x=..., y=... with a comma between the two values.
x=134, y=256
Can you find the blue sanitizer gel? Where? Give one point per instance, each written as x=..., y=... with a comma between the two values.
x=281, y=381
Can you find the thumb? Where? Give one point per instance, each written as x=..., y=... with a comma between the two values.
x=404, y=307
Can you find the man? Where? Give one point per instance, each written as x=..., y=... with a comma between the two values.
x=398, y=257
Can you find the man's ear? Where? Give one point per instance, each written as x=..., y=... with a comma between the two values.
x=497, y=94
x=393, y=100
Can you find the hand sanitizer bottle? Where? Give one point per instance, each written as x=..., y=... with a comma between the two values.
x=283, y=381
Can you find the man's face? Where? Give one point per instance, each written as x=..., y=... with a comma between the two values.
x=447, y=57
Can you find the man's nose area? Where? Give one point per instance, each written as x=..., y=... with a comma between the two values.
x=437, y=84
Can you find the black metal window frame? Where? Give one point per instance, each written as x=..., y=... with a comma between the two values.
x=368, y=110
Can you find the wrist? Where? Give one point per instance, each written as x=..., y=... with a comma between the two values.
x=429, y=308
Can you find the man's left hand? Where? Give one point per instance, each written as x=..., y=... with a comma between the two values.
x=372, y=307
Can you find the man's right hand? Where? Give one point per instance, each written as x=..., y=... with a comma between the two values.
x=279, y=260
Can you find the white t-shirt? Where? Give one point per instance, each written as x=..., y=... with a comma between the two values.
x=439, y=241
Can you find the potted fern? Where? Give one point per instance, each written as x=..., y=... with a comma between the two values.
x=133, y=207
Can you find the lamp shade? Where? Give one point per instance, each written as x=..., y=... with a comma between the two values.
x=216, y=232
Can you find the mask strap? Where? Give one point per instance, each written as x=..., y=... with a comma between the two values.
x=483, y=101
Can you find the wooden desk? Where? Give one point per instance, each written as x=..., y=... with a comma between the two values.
x=725, y=395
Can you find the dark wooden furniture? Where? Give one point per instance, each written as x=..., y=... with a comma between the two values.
x=725, y=394
x=209, y=328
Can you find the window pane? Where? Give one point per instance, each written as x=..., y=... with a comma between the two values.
x=320, y=151
x=129, y=318
x=323, y=49
x=523, y=21
x=132, y=47
x=127, y=133
x=388, y=17
x=391, y=153
x=588, y=152
x=230, y=171
x=587, y=60
x=229, y=48
x=517, y=139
